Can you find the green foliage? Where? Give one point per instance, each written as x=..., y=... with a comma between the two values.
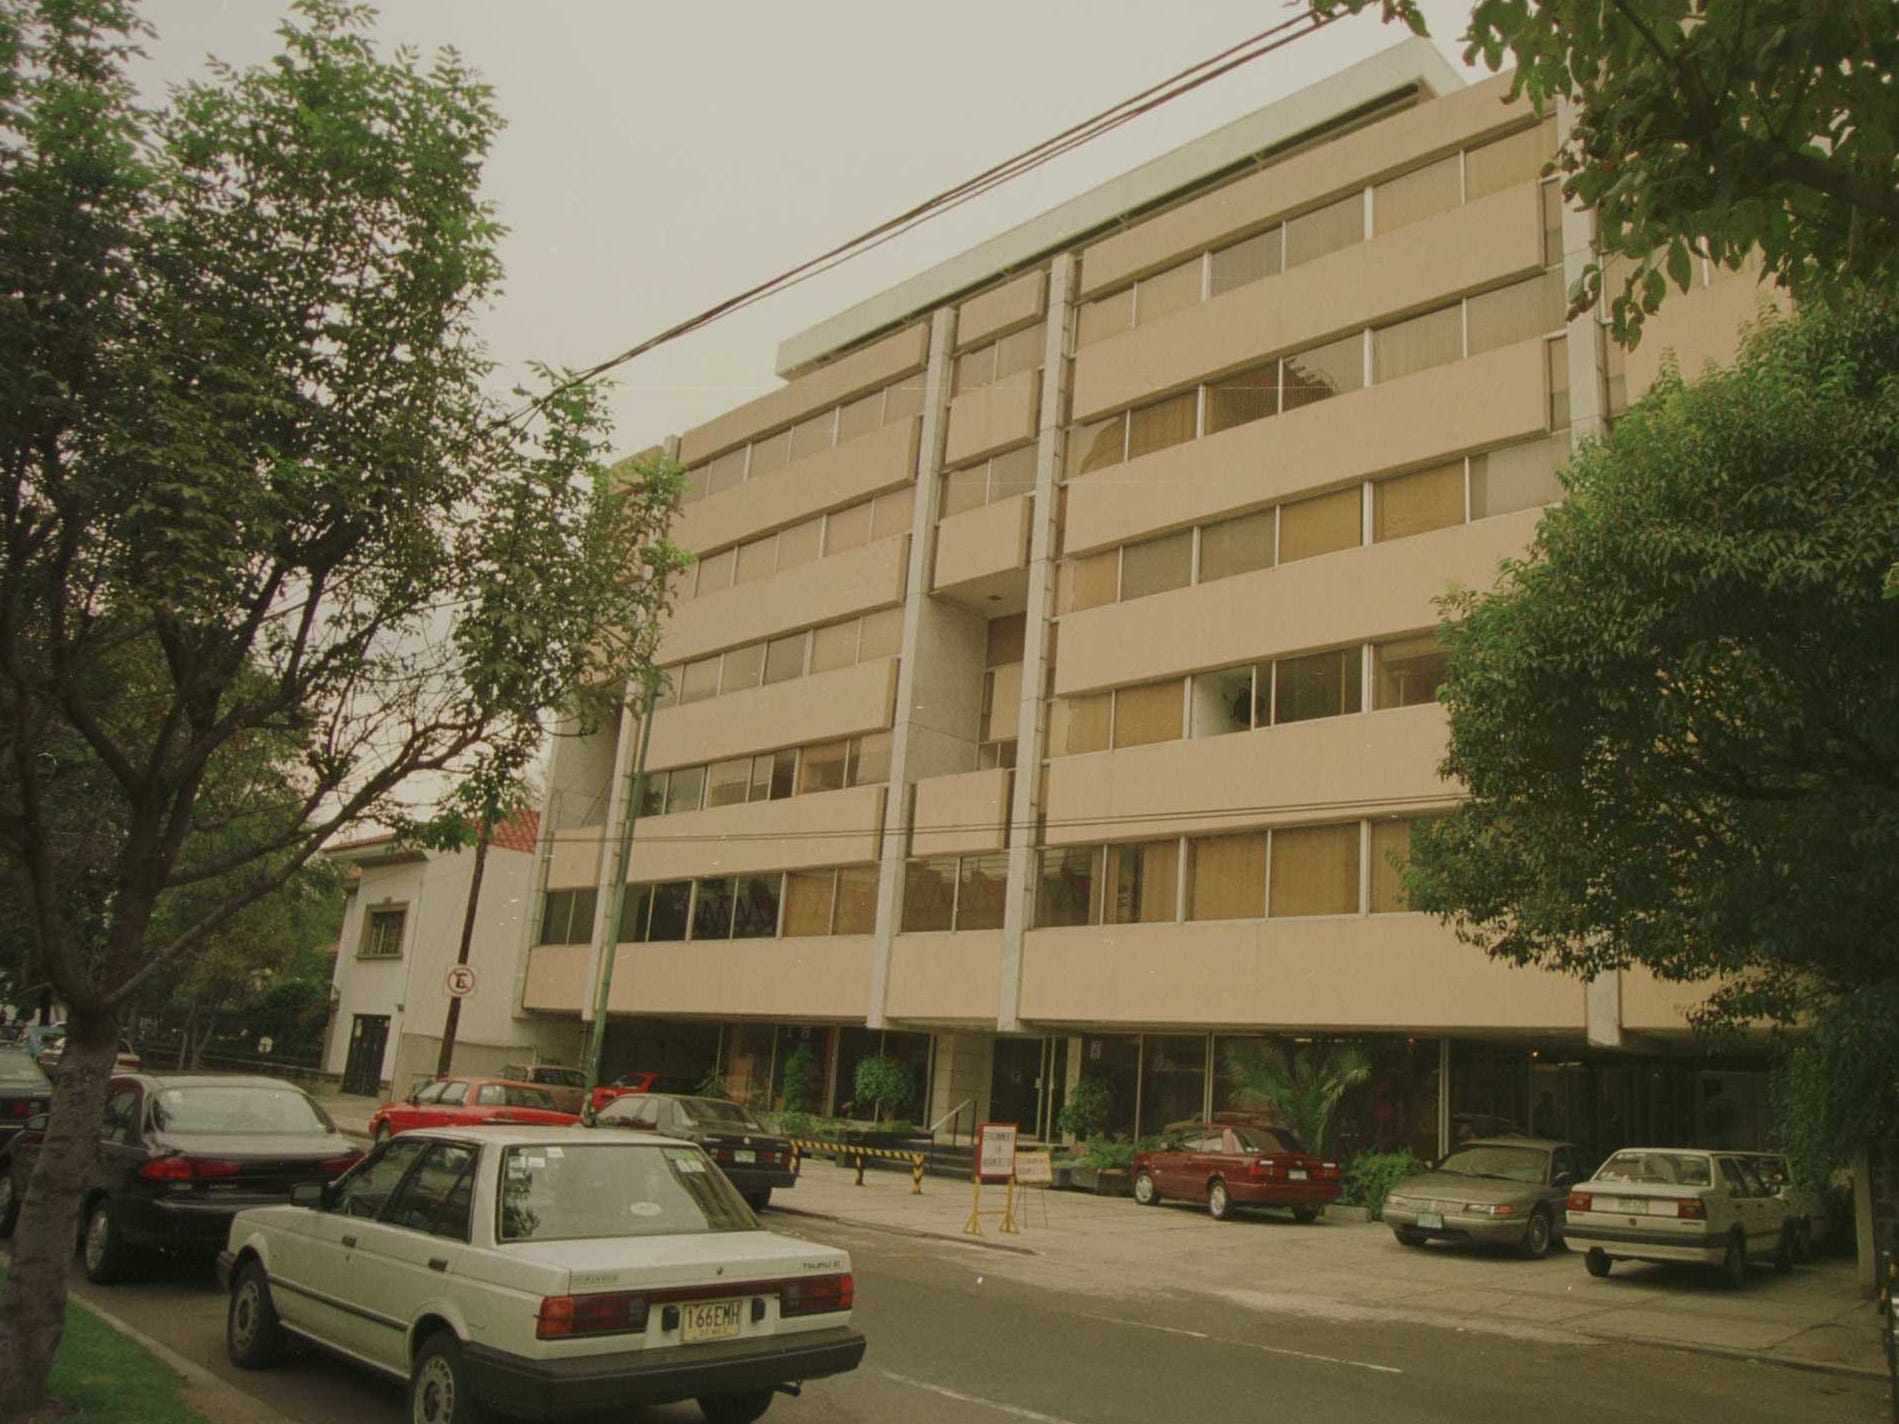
x=1735, y=130
x=799, y=1081
x=1303, y=1087
x=1088, y=1108
x=1838, y=1088
x=1372, y=1175
x=1115, y=1151
x=882, y=1084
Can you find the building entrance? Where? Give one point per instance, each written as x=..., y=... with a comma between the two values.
x=1025, y=1085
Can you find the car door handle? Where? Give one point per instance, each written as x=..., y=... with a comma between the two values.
x=349, y=1241
x=438, y=1263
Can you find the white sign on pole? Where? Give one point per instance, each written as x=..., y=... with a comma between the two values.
x=995, y=1152
x=460, y=981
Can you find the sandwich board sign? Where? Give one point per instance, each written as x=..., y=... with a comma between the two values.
x=995, y=1152
x=1034, y=1169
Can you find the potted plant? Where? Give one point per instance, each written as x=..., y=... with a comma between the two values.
x=1103, y=1168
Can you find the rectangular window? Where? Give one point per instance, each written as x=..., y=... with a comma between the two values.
x=1104, y=317
x=1517, y=477
x=983, y=892
x=1157, y=565
x=1434, y=188
x=834, y=646
x=1247, y=260
x=757, y=559
x=860, y=417
x=694, y=489
x=672, y=903
x=726, y=471
x=1079, y=724
x=715, y=572
x=1324, y=371
x=728, y=783
x=1142, y=883
x=1242, y=397
x=653, y=794
x=1226, y=877
x=822, y=767
x=974, y=370
x=800, y=544
x=965, y=489
x=1223, y=702
x=1021, y=351
x=382, y=932
x=1418, y=502
x=1556, y=375
x=869, y=763
x=1162, y=424
x=635, y=911
x=1238, y=546
x=1521, y=311
x=567, y=917
x=1390, y=848
x=1508, y=161
x=1090, y=582
x=1407, y=671
x=1314, y=871
x=890, y=514
x=880, y=635
x=770, y=455
x=1552, y=195
x=1012, y=474
x=856, y=900
x=1146, y=714
x=809, y=895
x=1096, y=445
x=1336, y=225
x=904, y=400
x=929, y=895
x=775, y=775
x=1001, y=702
x=814, y=435
x=1317, y=685
x=755, y=909
x=685, y=789
x=784, y=657
x=742, y=668
x=1004, y=639
x=712, y=908
x=1321, y=525
x=847, y=528
x=1068, y=888
x=1166, y=292
x=1433, y=339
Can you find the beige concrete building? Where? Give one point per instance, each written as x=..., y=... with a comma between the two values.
x=1054, y=690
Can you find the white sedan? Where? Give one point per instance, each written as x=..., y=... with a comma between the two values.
x=548, y=1272
x=1678, y=1204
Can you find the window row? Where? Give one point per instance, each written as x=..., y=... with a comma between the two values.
x=776, y=905
x=955, y=892
x=1346, y=868
x=769, y=776
x=1446, y=183
x=1456, y=492
x=1505, y=316
x=1402, y=672
x=811, y=650
x=1001, y=691
x=834, y=425
x=998, y=478
x=1000, y=359
x=884, y=517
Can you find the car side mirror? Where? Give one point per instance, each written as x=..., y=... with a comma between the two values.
x=310, y=1194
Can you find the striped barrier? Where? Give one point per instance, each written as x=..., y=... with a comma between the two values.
x=841, y=1150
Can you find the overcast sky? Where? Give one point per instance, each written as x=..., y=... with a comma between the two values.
x=659, y=158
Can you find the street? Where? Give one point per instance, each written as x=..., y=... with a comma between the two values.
x=951, y=1340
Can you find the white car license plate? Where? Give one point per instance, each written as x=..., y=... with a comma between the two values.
x=1297, y=1174
x=709, y=1320
x=1431, y=1220
x=744, y=1154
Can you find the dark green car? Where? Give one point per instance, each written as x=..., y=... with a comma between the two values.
x=1506, y=1191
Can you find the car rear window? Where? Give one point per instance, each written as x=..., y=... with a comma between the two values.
x=1683, y=1169
x=513, y=1095
x=560, y=1077
x=227, y=1108
x=716, y=1112
x=1266, y=1139
x=566, y=1192
x=18, y=1070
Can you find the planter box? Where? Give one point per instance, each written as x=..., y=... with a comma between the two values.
x=1102, y=1181
x=1335, y=1212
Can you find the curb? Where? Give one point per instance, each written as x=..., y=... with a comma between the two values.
x=1752, y=1357
x=215, y=1397
x=915, y=1233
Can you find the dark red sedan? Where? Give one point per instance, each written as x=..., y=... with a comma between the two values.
x=1228, y=1165
x=469, y=1102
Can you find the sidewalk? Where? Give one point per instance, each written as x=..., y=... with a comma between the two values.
x=1353, y=1271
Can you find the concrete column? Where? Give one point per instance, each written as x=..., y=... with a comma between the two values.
x=1602, y=1005
x=897, y=803
x=1443, y=1096
x=1032, y=717
x=1588, y=380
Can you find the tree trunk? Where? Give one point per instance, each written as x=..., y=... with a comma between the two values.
x=445, y=1060
x=184, y=1041
x=204, y=1042
x=33, y=1307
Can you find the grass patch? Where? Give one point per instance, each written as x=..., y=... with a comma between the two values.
x=102, y=1377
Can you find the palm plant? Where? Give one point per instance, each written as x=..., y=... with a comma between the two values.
x=1304, y=1086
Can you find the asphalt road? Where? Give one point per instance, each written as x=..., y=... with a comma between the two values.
x=950, y=1344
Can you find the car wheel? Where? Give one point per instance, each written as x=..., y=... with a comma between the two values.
x=1305, y=1215
x=735, y=1408
x=759, y=1199
x=438, y=1384
x=1407, y=1237
x=1536, y=1236
x=1734, y=1264
x=1145, y=1192
x=1596, y=1262
x=1219, y=1204
x=252, y=1337
x=1784, y=1250
x=1803, y=1240
x=102, y=1248
x=9, y=1202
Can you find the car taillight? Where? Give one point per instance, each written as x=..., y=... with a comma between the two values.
x=813, y=1295
x=337, y=1166
x=1578, y=1201
x=1691, y=1209
x=1328, y=1169
x=607, y=1313
x=186, y=1169
x=721, y=1154
x=19, y=1107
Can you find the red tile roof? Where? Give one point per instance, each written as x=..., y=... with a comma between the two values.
x=521, y=831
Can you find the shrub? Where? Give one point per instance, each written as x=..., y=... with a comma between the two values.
x=1087, y=1110
x=1372, y=1175
x=881, y=1083
x=1116, y=1151
x=800, y=1082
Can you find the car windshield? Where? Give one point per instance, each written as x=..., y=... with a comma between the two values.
x=716, y=1112
x=561, y=1077
x=566, y=1192
x=230, y=1108
x=1685, y=1169
x=1512, y=1164
x=513, y=1095
x=18, y=1070
x=1266, y=1139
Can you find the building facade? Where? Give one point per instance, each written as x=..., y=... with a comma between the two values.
x=1053, y=695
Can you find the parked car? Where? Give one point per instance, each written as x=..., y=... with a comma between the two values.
x=566, y=1086
x=25, y=1092
x=1228, y=1165
x=35, y=1039
x=466, y=1102
x=640, y=1082
x=126, y=1060
x=542, y=1272
x=1507, y=1191
x=1802, y=1205
x=752, y=1157
x=1679, y=1204
x=180, y=1154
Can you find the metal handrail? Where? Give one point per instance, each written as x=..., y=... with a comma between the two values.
x=955, y=1115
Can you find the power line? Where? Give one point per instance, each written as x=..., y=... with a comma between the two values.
x=1267, y=41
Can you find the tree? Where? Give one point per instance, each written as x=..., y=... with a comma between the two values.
x=1677, y=717
x=1304, y=1086
x=263, y=524
x=881, y=1082
x=1729, y=128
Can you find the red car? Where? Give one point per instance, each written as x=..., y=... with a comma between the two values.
x=641, y=1082
x=469, y=1102
x=1227, y=1165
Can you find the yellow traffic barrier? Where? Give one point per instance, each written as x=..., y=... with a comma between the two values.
x=800, y=1146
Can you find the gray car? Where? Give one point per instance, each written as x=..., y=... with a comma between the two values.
x=1504, y=1191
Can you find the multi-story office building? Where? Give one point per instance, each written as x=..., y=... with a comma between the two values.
x=1053, y=693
